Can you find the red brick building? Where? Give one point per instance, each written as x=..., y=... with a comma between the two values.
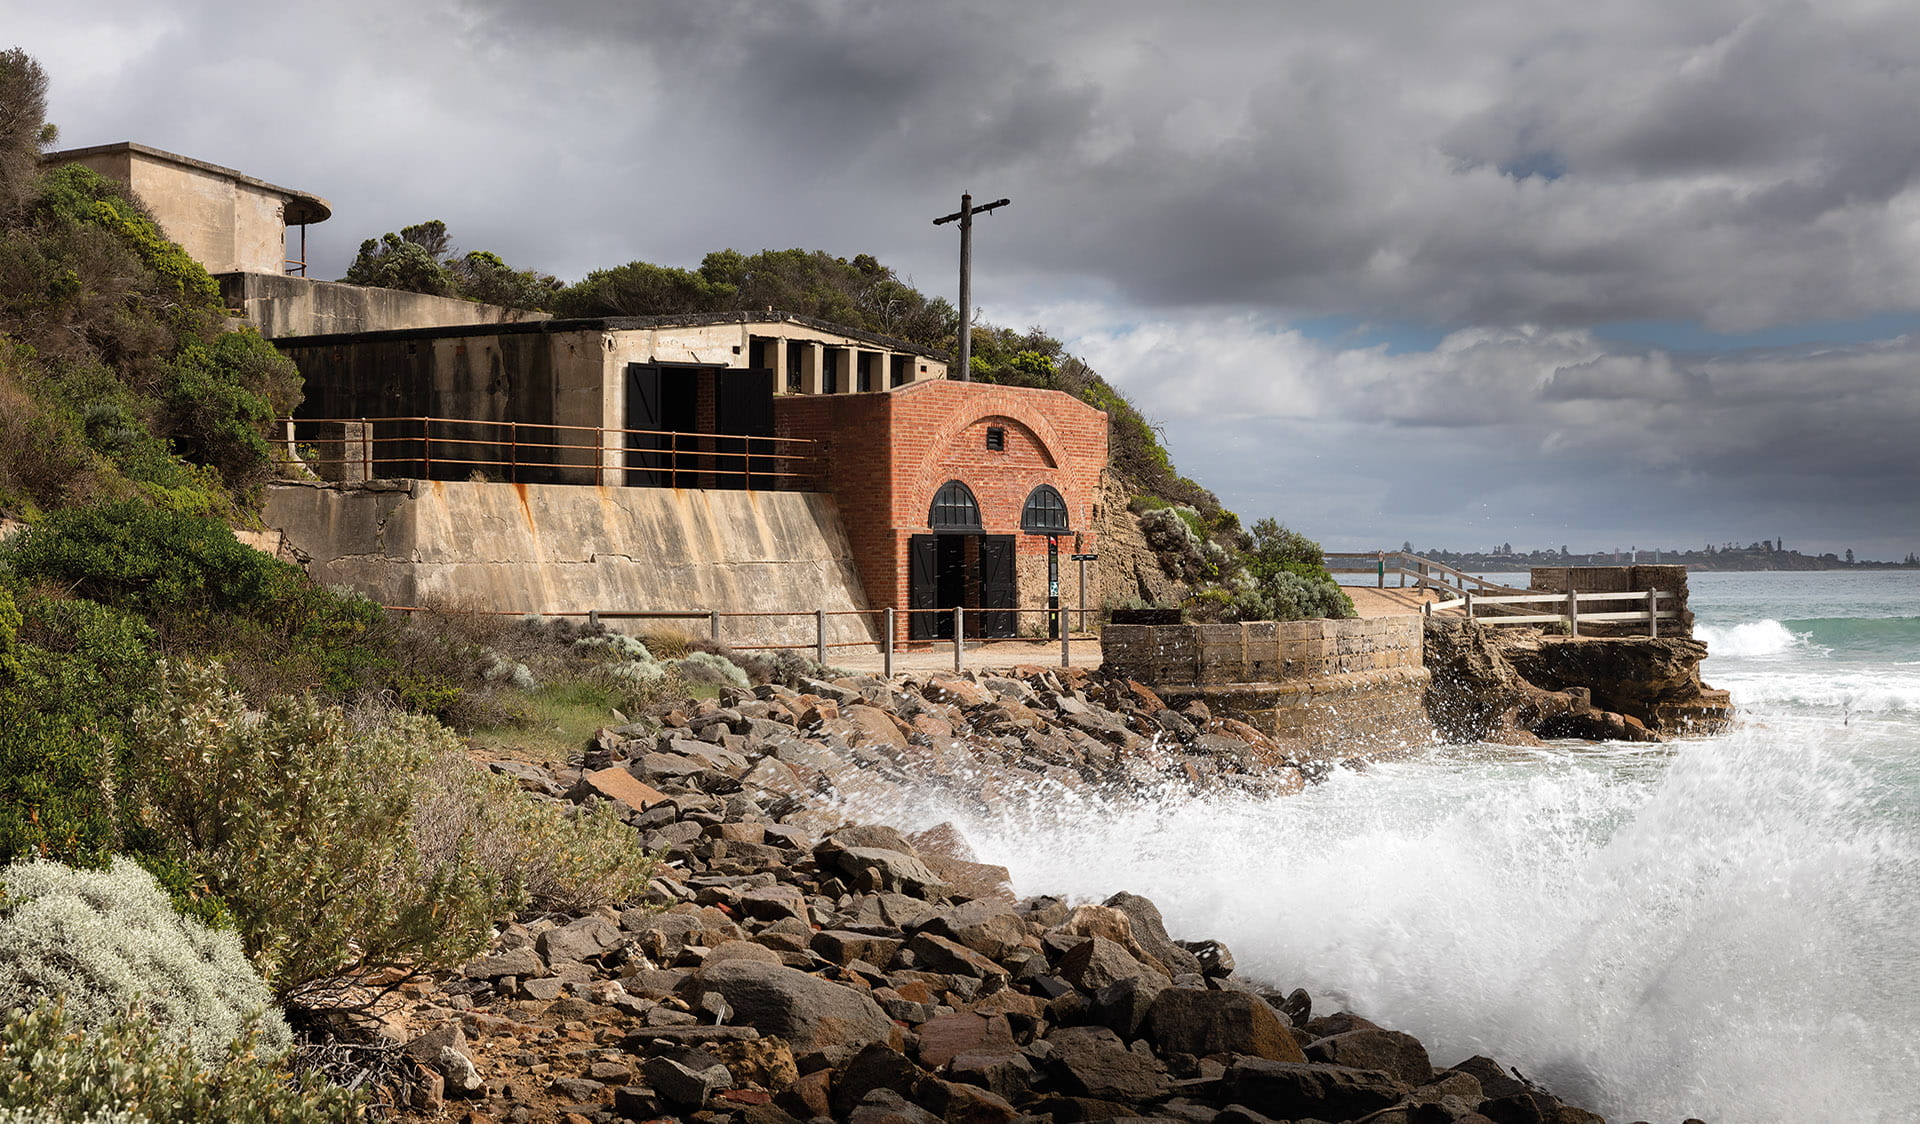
x=963, y=494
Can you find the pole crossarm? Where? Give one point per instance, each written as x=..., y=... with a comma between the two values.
x=965, y=217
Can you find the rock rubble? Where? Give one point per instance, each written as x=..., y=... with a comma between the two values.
x=794, y=966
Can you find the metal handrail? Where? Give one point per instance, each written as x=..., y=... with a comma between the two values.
x=780, y=462
x=886, y=643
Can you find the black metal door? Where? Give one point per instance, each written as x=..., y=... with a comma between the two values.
x=742, y=404
x=998, y=590
x=921, y=586
x=645, y=461
x=950, y=580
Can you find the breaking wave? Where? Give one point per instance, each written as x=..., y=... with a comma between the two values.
x=1722, y=931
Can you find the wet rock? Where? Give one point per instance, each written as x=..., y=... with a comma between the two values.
x=843, y=946
x=1291, y=1090
x=894, y=871
x=1150, y=932
x=1096, y=963
x=1092, y=1061
x=1123, y=1004
x=1007, y=1076
x=938, y=954
x=1388, y=1051
x=1191, y=1021
x=1495, y=1079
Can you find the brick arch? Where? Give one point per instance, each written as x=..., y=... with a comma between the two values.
x=932, y=471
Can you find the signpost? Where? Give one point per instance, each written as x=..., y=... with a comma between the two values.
x=1083, y=559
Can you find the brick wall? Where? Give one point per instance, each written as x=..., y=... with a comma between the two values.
x=886, y=454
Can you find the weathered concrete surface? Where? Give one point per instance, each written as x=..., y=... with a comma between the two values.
x=279, y=306
x=559, y=548
x=1337, y=688
x=223, y=219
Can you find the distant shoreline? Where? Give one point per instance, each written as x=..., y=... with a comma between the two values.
x=1725, y=561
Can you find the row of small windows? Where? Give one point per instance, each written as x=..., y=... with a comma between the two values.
x=956, y=511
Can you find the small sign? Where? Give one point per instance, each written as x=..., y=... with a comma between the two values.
x=1084, y=557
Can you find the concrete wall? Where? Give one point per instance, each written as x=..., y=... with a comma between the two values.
x=558, y=548
x=279, y=305
x=1339, y=688
x=223, y=219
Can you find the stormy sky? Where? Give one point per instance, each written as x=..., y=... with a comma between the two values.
x=1639, y=273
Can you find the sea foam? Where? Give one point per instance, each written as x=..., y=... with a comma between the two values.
x=1721, y=931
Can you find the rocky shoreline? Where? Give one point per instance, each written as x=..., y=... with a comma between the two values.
x=794, y=966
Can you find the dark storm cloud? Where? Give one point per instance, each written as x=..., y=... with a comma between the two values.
x=1188, y=181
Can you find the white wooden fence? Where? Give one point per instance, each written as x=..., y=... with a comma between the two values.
x=1569, y=609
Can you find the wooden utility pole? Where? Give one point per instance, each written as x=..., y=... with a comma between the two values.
x=965, y=215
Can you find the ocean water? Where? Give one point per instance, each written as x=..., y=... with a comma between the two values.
x=1724, y=927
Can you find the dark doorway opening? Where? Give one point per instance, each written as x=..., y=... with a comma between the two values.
x=693, y=424
x=661, y=403
x=970, y=570
x=743, y=405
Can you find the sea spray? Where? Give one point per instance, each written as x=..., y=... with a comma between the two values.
x=1720, y=928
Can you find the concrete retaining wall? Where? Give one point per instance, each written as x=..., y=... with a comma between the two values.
x=559, y=548
x=1339, y=687
x=278, y=306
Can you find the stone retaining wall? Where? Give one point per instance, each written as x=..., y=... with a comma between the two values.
x=1620, y=579
x=1339, y=687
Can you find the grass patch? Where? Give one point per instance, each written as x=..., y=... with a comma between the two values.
x=561, y=718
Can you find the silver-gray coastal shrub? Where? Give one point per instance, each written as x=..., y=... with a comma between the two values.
x=106, y=941
x=705, y=667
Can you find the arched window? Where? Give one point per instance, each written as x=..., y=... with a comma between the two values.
x=1045, y=512
x=955, y=510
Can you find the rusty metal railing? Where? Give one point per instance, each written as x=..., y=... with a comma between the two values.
x=959, y=626
x=436, y=448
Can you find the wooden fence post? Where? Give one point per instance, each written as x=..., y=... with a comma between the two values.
x=1468, y=594
x=1066, y=657
x=886, y=650
x=820, y=636
x=713, y=625
x=959, y=638
x=1573, y=613
x=1653, y=614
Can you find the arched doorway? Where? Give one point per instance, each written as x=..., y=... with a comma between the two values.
x=958, y=564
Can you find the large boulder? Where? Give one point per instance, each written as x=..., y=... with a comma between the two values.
x=1092, y=1061
x=1389, y=1051
x=1194, y=1021
x=1290, y=1090
x=809, y=1012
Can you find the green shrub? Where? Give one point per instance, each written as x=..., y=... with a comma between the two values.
x=221, y=399
x=207, y=592
x=103, y=942
x=299, y=819
x=560, y=858
x=129, y=1070
x=70, y=674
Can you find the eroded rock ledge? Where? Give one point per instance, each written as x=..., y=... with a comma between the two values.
x=1518, y=685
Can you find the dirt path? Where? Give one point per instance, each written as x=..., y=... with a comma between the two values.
x=1389, y=602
